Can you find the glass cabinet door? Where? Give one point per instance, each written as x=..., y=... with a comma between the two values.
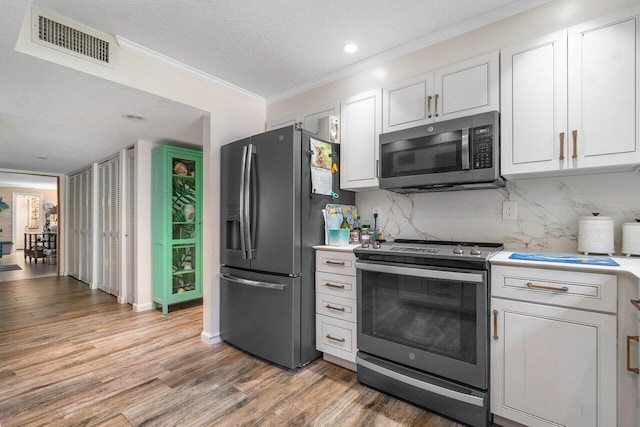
x=184, y=209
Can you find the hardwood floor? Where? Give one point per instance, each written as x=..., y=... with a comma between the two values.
x=73, y=356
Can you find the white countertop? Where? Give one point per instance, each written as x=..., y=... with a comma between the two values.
x=347, y=248
x=629, y=265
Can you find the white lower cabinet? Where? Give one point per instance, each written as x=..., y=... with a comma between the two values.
x=336, y=309
x=552, y=363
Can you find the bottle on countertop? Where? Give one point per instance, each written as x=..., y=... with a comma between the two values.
x=365, y=235
x=344, y=224
x=354, y=236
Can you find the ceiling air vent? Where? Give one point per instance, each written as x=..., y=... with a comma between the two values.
x=66, y=35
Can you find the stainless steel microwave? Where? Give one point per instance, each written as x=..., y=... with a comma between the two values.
x=457, y=154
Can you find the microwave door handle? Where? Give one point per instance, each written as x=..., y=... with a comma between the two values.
x=243, y=220
x=465, y=149
x=247, y=204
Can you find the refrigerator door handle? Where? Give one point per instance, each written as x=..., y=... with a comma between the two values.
x=251, y=149
x=243, y=219
x=268, y=285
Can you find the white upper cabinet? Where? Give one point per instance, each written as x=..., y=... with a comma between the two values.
x=603, y=91
x=570, y=100
x=359, y=136
x=284, y=121
x=468, y=87
x=534, y=105
x=308, y=119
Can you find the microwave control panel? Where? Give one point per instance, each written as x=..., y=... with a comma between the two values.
x=482, y=147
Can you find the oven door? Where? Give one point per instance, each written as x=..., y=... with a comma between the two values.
x=432, y=319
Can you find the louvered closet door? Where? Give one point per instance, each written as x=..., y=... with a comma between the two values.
x=73, y=227
x=109, y=226
x=86, y=230
x=131, y=230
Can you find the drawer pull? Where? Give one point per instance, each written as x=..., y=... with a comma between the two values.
x=629, y=368
x=332, y=285
x=636, y=303
x=547, y=288
x=330, y=262
x=495, y=324
x=330, y=307
x=335, y=339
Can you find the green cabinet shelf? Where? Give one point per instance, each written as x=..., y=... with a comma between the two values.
x=176, y=201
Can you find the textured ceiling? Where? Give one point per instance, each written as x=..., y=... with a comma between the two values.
x=265, y=47
x=73, y=118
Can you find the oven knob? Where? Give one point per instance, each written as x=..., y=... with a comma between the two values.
x=458, y=250
x=475, y=251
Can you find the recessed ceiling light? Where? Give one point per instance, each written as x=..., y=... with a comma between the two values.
x=350, y=47
x=133, y=117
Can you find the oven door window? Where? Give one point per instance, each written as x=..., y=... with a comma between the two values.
x=434, y=315
x=424, y=155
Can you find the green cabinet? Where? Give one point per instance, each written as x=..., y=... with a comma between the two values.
x=176, y=203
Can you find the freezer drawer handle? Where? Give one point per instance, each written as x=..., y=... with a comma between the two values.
x=335, y=339
x=277, y=286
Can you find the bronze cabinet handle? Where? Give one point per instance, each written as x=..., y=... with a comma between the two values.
x=331, y=285
x=429, y=106
x=330, y=262
x=330, y=307
x=574, y=134
x=561, y=145
x=636, y=303
x=436, y=104
x=547, y=288
x=335, y=339
x=629, y=368
x=495, y=324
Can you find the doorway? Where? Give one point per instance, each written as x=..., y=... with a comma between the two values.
x=26, y=217
x=29, y=211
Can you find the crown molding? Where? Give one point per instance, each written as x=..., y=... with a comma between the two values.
x=412, y=46
x=141, y=50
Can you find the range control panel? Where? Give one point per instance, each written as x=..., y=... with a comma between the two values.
x=482, y=138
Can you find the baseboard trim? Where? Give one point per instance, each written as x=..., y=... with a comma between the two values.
x=141, y=307
x=207, y=338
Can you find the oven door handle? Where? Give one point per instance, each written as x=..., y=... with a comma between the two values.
x=432, y=388
x=421, y=272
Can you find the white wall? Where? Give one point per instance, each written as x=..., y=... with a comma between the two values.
x=548, y=208
x=234, y=115
x=143, y=224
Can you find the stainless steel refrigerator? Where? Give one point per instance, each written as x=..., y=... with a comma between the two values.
x=270, y=219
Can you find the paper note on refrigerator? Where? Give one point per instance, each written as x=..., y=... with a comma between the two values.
x=321, y=181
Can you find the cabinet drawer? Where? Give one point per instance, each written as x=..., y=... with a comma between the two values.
x=336, y=284
x=336, y=337
x=337, y=307
x=589, y=291
x=336, y=262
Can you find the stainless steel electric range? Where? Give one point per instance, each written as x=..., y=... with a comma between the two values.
x=423, y=319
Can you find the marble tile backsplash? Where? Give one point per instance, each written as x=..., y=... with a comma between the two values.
x=548, y=210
